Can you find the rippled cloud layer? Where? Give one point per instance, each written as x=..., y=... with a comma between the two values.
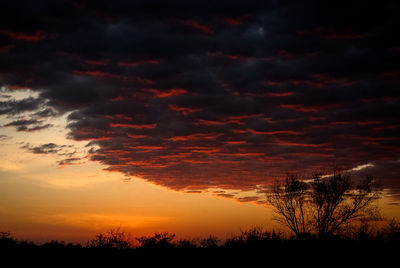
x=192, y=96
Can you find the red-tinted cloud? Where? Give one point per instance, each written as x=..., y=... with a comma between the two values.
x=143, y=126
x=300, y=108
x=205, y=28
x=166, y=93
x=199, y=136
x=6, y=48
x=108, y=75
x=139, y=62
x=275, y=132
x=191, y=98
x=28, y=37
x=235, y=20
x=184, y=110
x=280, y=94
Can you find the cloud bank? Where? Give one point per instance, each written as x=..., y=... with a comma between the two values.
x=194, y=95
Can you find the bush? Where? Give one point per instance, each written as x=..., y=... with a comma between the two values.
x=115, y=238
x=7, y=241
x=209, y=242
x=159, y=240
x=186, y=243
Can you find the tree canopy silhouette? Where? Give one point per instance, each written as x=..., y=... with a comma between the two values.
x=324, y=204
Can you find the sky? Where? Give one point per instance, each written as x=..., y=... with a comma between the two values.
x=176, y=116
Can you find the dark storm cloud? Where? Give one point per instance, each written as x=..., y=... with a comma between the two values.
x=192, y=95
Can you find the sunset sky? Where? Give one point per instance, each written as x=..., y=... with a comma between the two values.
x=177, y=115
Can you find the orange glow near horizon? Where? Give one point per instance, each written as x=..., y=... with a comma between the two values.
x=75, y=208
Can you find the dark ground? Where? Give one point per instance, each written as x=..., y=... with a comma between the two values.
x=260, y=253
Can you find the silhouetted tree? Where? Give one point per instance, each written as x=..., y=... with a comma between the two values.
x=335, y=202
x=289, y=201
x=322, y=205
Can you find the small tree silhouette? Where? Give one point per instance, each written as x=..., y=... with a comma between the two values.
x=289, y=201
x=335, y=202
x=322, y=205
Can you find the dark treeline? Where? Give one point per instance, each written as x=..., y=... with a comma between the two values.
x=359, y=245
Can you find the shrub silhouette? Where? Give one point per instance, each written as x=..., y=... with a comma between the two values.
x=115, y=238
x=6, y=240
x=186, y=243
x=159, y=240
x=322, y=206
x=364, y=244
x=209, y=242
x=392, y=232
x=253, y=238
